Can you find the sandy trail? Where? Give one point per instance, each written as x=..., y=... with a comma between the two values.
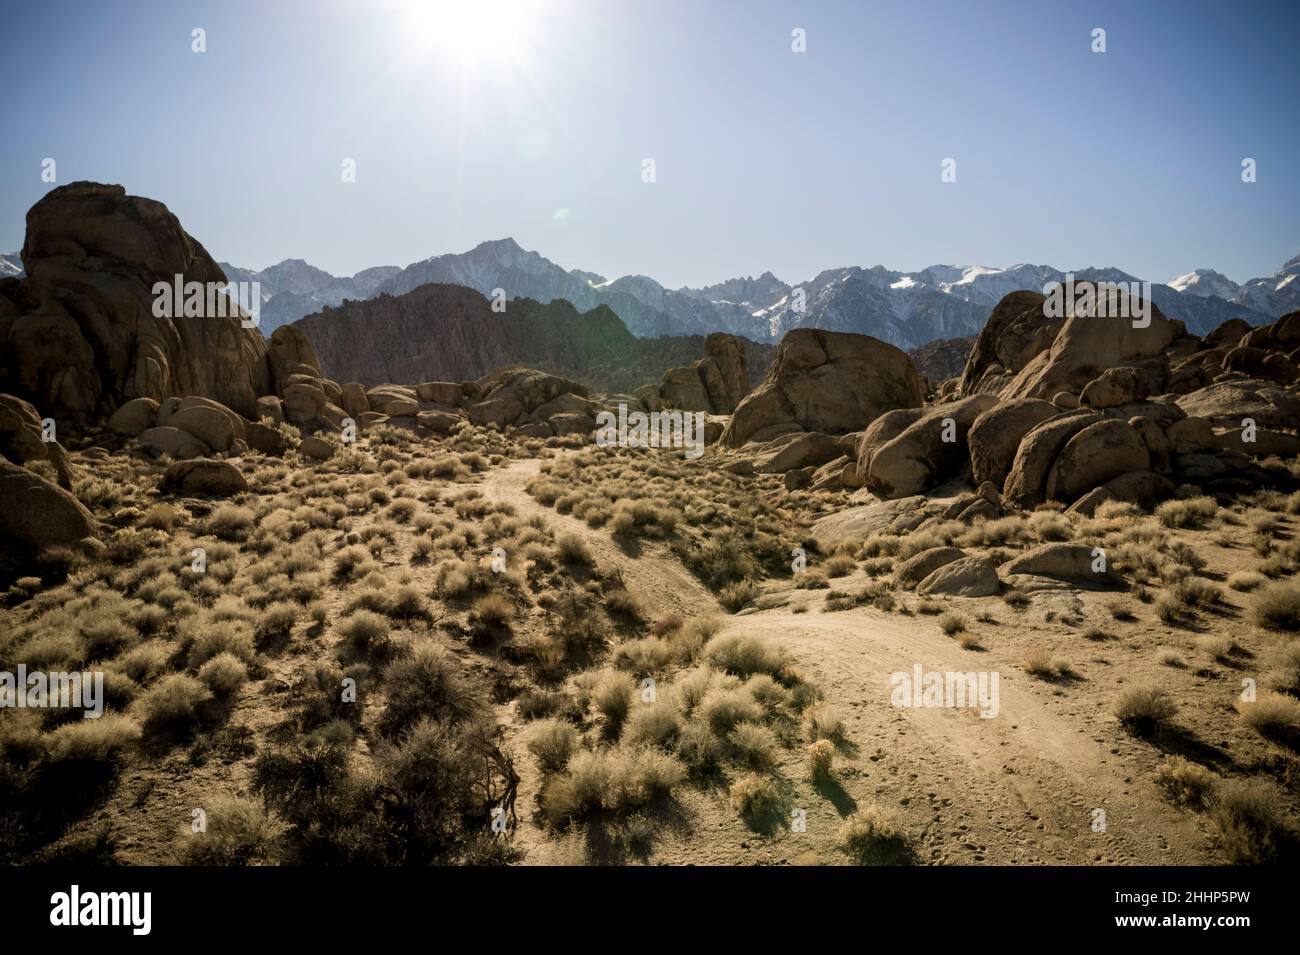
x=1020, y=788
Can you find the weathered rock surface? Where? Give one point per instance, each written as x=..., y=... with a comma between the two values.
x=831, y=382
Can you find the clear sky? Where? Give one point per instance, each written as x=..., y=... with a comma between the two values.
x=532, y=118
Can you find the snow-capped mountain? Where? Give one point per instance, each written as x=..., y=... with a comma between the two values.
x=293, y=289
x=11, y=264
x=1277, y=294
x=908, y=309
x=1205, y=282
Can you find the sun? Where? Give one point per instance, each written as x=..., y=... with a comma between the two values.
x=474, y=31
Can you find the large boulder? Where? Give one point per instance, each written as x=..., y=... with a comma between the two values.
x=1115, y=387
x=510, y=394
x=798, y=450
x=833, y=382
x=1016, y=331
x=1026, y=484
x=728, y=352
x=80, y=334
x=174, y=443
x=684, y=387
x=1228, y=403
x=1087, y=345
x=354, y=401
x=996, y=434
x=37, y=514
x=203, y=476
x=928, y=452
x=1092, y=457
x=134, y=417
x=973, y=576
x=440, y=392
x=920, y=566
x=22, y=439
x=291, y=353
x=207, y=424
x=1074, y=564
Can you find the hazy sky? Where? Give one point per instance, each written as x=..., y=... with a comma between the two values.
x=533, y=119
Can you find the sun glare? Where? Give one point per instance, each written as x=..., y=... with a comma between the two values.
x=476, y=31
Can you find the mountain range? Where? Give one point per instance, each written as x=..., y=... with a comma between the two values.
x=448, y=332
x=907, y=309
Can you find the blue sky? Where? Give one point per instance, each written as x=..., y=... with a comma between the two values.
x=765, y=159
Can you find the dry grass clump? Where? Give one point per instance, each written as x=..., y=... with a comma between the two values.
x=1251, y=821
x=99, y=743
x=611, y=694
x=653, y=724
x=840, y=565
x=428, y=683
x=572, y=549
x=224, y=674
x=173, y=704
x=823, y=722
x=873, y=835
x=744, y=655
x=821, y=760
x=364, y=634
x=756, y=799
x=619, y=781
x=1144, y=710
x=1016, y=599
x=1244, y=581
x=1273, y=715
x=723, y=708
x=553, y=743
x=951, y=623
x=736, y=596
x=1186, y=783
x=238, y=831
x=1188, y=513
x=229, y=522
x=1277, y=607
x=1041, y=664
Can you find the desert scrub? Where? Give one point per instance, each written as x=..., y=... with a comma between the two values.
x=821, y=760
x=1277, y=607
x=951, y=623
x=611, y=694
x=873, y=835
x=1041, y=664
x=1273, y=715
x=753, y=745
x=1186, y=783
x=238, y=831
x=1191, y=512
x=736, y=596
x=1251, y=821
x=553, y=743
x=823, y=722
x=756, y=799
x=223, y=675
x=653, y=724
x=743, y=655
x=428, y=683
x=1144, y=710
x=617, y=781
x=173, y=704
